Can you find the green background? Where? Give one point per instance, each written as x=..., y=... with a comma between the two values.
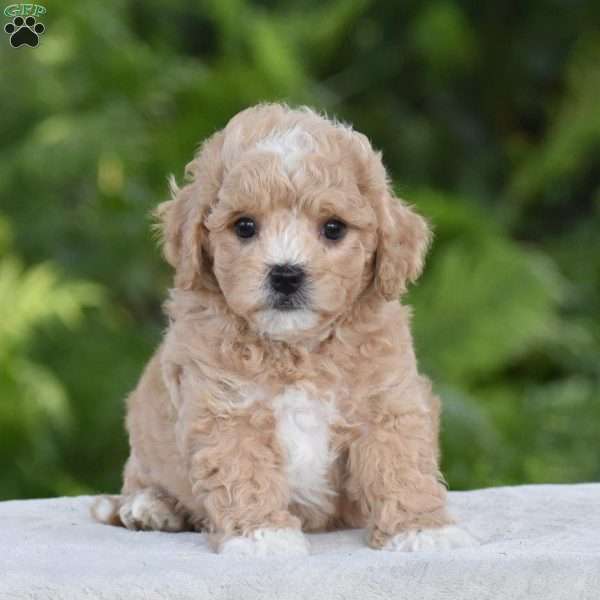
x=488, y=116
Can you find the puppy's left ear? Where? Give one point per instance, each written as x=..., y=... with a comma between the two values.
x=404, y=237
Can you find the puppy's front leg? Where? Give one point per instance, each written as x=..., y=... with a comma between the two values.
x=394, y=475
x=237, y=474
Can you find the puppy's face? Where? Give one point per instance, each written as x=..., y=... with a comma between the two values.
x=292, y=247
x=290, y=218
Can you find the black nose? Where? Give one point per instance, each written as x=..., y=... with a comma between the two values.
x=286, y=279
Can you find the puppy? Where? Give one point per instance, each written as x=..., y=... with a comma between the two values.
x=285, y=396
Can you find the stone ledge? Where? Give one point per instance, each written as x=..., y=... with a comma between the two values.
x=537, y=542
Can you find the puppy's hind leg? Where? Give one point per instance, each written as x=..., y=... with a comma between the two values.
x=105, y=509
x=148, y=509
x=140, y=506
x=151, y=509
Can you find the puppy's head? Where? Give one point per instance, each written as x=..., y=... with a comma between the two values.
x=291, y=218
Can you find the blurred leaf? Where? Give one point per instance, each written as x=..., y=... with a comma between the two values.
x=34, y=402
x=572, y=144
x=443, y=36
x=484, y=303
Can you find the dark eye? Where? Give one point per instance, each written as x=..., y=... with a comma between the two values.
x=245, y=227
x=334, y=229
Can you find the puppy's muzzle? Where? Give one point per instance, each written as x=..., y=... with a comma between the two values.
x=286, y=279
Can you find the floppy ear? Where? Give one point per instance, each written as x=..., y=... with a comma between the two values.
x=181, y=219
x=182, y=234
x=404, y=238
x=403, y=235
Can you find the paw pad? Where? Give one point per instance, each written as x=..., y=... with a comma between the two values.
x=24, y=32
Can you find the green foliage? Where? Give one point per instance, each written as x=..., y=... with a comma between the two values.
x=514, y=292
x=34, y=403
x=488, y=120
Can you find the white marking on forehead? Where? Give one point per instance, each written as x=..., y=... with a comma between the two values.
x=285, y=245
x=291, y=145
x=275, y=323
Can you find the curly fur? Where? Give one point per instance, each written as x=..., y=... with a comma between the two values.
x=216, y=423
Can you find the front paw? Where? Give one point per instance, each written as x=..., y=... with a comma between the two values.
x=439, y=538
x=266, y=542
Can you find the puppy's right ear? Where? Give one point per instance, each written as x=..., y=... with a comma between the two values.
x=180, y=221
x=169, y=220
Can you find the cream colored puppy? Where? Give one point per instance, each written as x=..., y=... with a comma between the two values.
x=285, y=396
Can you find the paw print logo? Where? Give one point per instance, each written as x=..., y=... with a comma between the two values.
x=24, y=32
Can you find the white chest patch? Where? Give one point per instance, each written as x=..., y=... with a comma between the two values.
x=303, y=429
